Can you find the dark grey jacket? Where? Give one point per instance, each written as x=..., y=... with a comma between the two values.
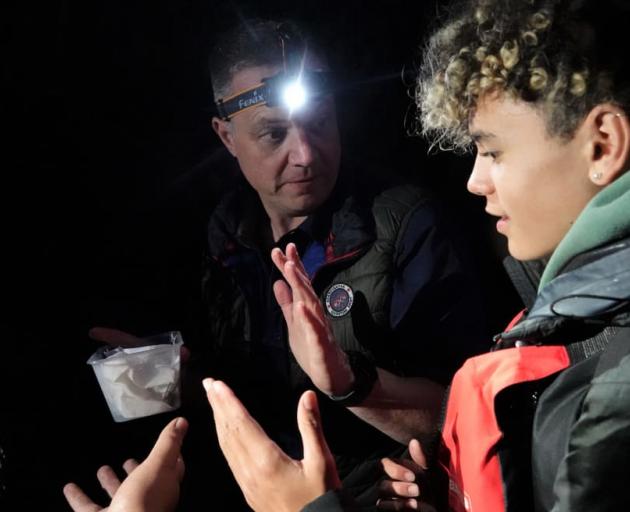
x=396, y=256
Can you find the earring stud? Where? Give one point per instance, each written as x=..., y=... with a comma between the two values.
x=597, y=176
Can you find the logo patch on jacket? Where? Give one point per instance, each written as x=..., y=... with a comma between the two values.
x=339, y=299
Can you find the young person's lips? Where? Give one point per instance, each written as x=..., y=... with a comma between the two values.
x=502, y=224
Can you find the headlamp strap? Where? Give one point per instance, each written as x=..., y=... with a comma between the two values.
x=268, y=92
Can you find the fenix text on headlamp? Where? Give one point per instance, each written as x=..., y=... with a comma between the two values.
x=291, y=91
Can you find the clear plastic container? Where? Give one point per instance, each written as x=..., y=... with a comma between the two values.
x=140, y=381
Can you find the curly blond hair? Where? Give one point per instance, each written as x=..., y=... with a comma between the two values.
x=563, y=56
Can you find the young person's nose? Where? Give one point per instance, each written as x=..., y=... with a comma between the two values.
x=479, y=182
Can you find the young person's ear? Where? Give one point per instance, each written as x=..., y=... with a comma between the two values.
x=608, y=129
x=224, y=130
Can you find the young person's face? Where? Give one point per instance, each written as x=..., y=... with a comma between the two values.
x=535, y=183
x=292, y=161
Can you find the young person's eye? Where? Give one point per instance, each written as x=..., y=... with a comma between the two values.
x=489, y=154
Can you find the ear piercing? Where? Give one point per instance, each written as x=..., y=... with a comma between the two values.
x=596, y=176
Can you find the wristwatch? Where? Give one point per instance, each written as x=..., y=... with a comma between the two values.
x=365, y=376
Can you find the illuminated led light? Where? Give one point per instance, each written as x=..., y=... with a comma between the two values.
x=294, y=95
x=292, y=92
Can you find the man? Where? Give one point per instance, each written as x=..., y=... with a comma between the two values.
x=387, y=277
x=389, y=281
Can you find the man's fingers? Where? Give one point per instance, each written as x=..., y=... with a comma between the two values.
x=284, y=297
x=396, y=488
x=417, y=454
x=315, y=319
x=108, y=480
x=398, y=470
x=300, y=284
x=78, y=500
x=292, y=254
x=397, y=504
x=302, y=281
x=294, y=273
x=167, y=448
x=129, y=465
x=184, y=353
x=315, y=336
x=279, y=259
x=114, y=337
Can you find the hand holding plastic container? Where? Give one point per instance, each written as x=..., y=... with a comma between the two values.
x=140, y=381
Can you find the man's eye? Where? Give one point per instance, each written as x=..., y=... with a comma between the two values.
x=320, y=122
x=275, y=135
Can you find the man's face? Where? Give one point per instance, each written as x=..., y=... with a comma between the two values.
x=535, y=183
x=292, y=161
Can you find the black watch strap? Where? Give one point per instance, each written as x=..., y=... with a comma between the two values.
x=365, y=376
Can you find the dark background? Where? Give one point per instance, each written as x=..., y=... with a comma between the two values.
x=109, y=173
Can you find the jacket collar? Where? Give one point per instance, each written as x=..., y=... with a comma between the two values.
x=605, y=218
x=344, y=223
x=594, y=291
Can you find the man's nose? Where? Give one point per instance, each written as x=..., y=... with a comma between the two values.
x=301, y=150
x=480, y=182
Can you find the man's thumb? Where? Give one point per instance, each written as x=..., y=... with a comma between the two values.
x=316, y=451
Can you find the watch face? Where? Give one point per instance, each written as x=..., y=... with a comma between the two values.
x=339, y=299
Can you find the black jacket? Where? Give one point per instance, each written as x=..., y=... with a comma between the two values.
x=395, y=255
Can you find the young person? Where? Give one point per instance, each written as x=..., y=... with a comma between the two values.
x=541, y=89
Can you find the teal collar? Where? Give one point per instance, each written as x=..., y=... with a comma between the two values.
x=605, y=218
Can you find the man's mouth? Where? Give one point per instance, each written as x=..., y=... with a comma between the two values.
x=298, y=181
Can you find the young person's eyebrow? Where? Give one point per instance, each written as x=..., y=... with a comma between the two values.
x=480, y=136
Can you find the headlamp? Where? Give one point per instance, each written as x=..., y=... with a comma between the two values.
x=292, y=91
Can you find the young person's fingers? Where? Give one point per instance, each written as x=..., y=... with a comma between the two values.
x=167, y=448
x=317, y=455
x=129, y=465
x=78, y=500
x=396, y=470
x=397, y=504
x=398, y=489
x=108, y=479
x=417, y=454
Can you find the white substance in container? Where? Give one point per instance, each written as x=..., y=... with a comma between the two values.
x=141, y=381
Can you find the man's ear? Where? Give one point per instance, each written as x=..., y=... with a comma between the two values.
x=608, y=131
x=224, y=130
